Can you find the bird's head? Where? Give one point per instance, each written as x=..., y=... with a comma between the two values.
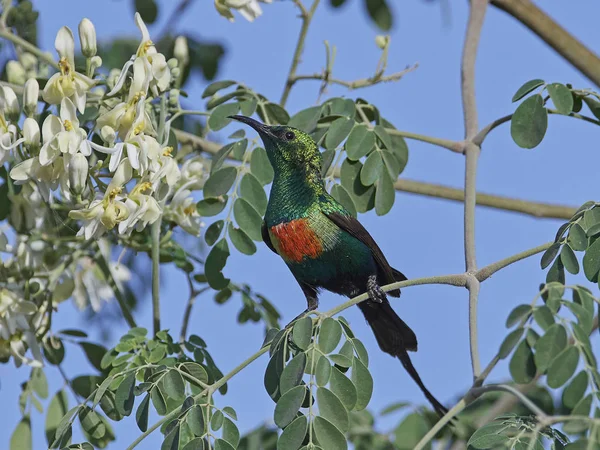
x=291, y=151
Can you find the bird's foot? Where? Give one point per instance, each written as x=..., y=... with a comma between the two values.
x=375, y=292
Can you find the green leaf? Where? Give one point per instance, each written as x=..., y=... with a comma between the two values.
x=585, y=317
x=241, y=240
x=594, y=105
x=561, y=97
x=195, y=420
x=141, y=415
x=341, y=195
x=332, y=409
x=526, y=89
x=54, y=350
x=410, y=431
x=251, y=190
x=543, y=317
x=510, y=342
x=361, y=141
x=306, y=120
x=213, y=88
x=173, y=384
x=248, y=219
x=328, y=435
x=238, y=147
x=231, y=433
x=391, y=163
x=215, y=262
x=91, y=422
x=396, y=406
x=219, y=116
x=362, y=196
x=363, y=381
x=341, y=386
x=569, y=260
x=372, y=169
x=322, y=371
x=148, y=9
x=577, y=238
x=277, y=113
x=338, y=131
x=302, y=332
x=573, y=393
x=94, y=353
x=195, y=444
x=260, y=166
x=562, y=367
x=171, y=441
x=380, y=13
x=517, y=314
x=385, y=195
x=293, y=435
x=591, y=260
x=39, y=383
x=549, y=255
x=288, y=406
x=21, y=438
x=124, y=395
x=549, y=345
x=213, y=232
x=5, y=202
x=292, y=373
x=158, y=401
x=57, y=409
x=216, y=421
x=361, y=351
x=220, y=182
x=522, y=365
x=529, y=122
x=329, y=335
x=489, y=436
x=211, y=206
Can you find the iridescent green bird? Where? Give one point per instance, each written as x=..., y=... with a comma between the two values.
x=324, y=246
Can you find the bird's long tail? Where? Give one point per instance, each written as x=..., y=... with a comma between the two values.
x=396, y=338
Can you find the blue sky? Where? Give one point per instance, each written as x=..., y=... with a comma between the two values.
x=420, y=236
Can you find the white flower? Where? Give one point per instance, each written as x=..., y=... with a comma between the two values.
x=31, y=93
x=108, y=134
x=165, y=168
x=67, y=83
x=9, y=104
x=249, y=9
x=8, y=134
x=87, y=37
x=63, y=135
x=143, y=209
x=16, y=335
x=182, y=210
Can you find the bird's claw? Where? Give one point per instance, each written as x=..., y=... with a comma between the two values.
x=376, y=294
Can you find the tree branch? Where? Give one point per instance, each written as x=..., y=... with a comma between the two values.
x=474, y=25
x=19, y=41
x=306, y=19
x=536, y=209
x=565, y=44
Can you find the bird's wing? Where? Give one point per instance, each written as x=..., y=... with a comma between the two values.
x=265, y=235
x=353, y=227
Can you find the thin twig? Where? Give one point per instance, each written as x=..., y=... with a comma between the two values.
x=474, y=25
x=188, y=309
x=477, y=391
x=306, y=17
x=356, y=84
x=155, y=233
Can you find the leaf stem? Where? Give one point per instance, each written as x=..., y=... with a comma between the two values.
x=306, y=17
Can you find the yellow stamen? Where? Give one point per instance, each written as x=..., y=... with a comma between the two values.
x=64, y=66
x=68, y=125
x=116, y=191
x=189, y=210
x=168, y=151
x=142, y=187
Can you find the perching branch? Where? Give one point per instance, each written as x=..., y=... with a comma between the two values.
x=474, y=25
x=306, y=17
x=536, y=209
x=564, y=43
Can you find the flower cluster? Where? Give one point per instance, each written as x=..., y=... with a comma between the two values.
x=104, y=178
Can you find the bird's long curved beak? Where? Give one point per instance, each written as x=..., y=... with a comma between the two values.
x=261, y=128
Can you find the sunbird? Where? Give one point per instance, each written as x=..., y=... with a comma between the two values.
x=324, y=246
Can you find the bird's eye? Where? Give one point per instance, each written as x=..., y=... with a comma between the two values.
x=290, y=135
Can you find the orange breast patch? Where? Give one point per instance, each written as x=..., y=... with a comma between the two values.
x=295, y=240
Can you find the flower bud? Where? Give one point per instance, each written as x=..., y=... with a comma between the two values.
x=382, y=41
x=15, y=73
x=95, y=62
x=175, y=72
x=78, y=172
x=29, y=62
x=9, y=104
x=174, y=98
x=172, y=63
x=87, y=37
x=31, y=133
x=107, y=134
x=181, y=51
x=31, y=92
x=112, y=78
